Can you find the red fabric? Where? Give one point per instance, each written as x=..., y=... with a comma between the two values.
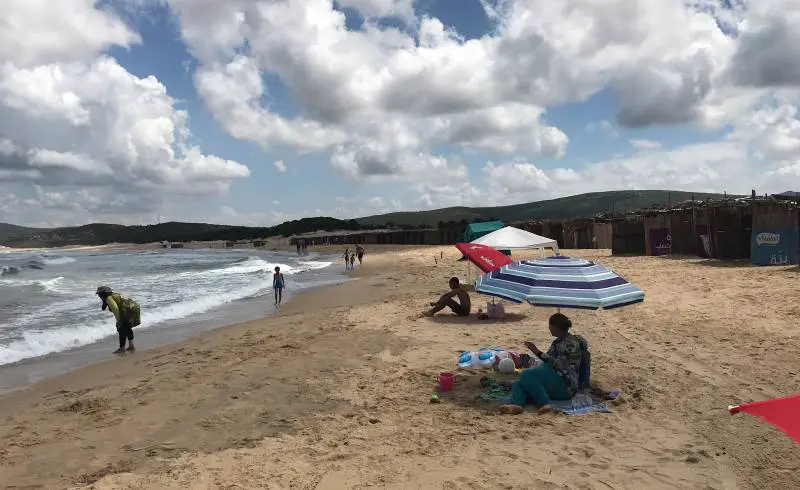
x=486, y=258
x=783, y=413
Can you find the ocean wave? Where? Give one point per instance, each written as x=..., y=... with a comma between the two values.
x=35, y=264
x=46, y=285
x=56, y=260
x=165, y=296
x=249, y=266
x=9, y=270
x=311, y=265
x=37, y=342
x=51, y=285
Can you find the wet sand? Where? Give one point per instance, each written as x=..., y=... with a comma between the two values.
x=333, y=392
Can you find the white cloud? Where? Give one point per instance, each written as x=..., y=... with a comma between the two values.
x=402, y=105
x=516, y=180
x=280, y=165
x=644, y=144
x=91, y=136
x=402, y=9
x=41, y=32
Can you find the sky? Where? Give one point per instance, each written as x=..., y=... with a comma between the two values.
x=254, y=112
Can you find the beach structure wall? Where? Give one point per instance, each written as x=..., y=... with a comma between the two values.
x=658, y=234
x=578, y=233
x=628, y=237
x=555, y=230
x=683, y=236
x=535, y=227
x=603, y=234
x=702, y=229
x=444, y=236
x=731, y=229
x=775, y=237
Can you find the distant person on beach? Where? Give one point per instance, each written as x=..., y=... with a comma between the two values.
x=277, y=285
x=360, y=253
x=347, y=259
x=461, y=307
x=127, y=314
x=298, y=247
x=558, y=377
x=352, y=262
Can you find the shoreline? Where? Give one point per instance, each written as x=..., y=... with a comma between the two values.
x=333, y=392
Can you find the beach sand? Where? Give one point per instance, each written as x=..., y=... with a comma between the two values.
x=333, y=392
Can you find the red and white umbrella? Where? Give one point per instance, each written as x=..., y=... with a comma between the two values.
x=484, y=257
x=783, y=413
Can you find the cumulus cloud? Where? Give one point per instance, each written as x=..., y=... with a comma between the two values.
x=371, y=9
x=91, y=136
x=280, y=165
x=403, y=105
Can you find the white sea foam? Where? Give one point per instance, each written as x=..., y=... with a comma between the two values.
x=49, y=285
x=47, y=260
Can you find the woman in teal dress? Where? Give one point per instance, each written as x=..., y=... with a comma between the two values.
x=558, y=375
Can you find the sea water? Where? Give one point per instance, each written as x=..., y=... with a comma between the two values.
x=48, y=303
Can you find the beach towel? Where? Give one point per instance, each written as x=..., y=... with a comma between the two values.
x=580, y=404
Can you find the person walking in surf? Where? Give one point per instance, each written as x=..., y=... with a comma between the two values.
x=277, y=285
x=347, y=259
x=127, y=314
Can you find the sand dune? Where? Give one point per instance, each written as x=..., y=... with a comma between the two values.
x=333, y=393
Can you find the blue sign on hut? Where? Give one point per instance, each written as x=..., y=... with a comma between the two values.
x=477, y=230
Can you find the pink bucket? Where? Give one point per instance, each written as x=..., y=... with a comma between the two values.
x=447, y=381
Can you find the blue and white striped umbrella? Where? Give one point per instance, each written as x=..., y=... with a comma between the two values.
x=560, y=282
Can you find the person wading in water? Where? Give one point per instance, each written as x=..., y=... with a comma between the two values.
x=127, y=313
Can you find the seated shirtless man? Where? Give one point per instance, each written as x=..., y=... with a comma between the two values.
x=460, y=307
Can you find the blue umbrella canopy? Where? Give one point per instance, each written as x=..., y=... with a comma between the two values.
x=560, y=282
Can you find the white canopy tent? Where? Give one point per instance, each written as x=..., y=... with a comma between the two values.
x=510, y=238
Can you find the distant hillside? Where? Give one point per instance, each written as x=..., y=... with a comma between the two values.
x=9, y=230
x=583, y=205
x=101, y=233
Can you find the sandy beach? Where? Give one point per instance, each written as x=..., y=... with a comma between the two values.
x=333, y=392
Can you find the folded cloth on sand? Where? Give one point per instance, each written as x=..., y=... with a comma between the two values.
x=580, y=404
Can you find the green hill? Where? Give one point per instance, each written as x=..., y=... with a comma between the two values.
x=102, y=233
x=9, y=230
x=583, y=205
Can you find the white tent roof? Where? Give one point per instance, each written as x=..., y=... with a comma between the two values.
x=509, y=238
